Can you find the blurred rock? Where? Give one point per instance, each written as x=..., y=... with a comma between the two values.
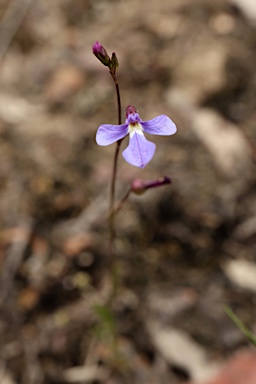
x=246, y=229
x=180, y=349
x=166, y=27
x=242, y=273
x=77, y=243
x=64, y=82
x=85, y=374
x=223, y=23
x=6, y=378
x=202, y=72
x=28, y=298
x=165, y=305
x=226, y=143
x=248, y=7
x=15, y=109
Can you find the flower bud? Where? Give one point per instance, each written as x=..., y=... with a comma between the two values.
x=139, y=186
x=100, y=52
x=113, y=63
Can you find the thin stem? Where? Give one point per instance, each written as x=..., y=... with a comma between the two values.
x=112, y=200
x=250, y=336
x=122, y=201
x=118, y=97
x=114, y=174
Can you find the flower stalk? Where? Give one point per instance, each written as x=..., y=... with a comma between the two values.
x=100, y=52
x=139, y=151
x=112, y=70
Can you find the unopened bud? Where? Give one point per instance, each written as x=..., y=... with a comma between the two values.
x=100, y=52
x=139, y=186
x=113, y=63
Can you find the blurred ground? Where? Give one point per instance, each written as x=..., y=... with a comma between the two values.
x=184, y=251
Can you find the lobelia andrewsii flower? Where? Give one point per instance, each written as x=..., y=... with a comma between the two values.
x=139, y=151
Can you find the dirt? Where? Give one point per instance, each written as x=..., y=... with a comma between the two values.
x=191, y=60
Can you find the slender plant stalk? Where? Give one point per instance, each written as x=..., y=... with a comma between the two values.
x=112, y=203
x=250, y=336
x=122, y=201
x=114, y=174
x=118, y=97
x=112, y=63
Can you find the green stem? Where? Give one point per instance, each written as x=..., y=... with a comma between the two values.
x=250, y=336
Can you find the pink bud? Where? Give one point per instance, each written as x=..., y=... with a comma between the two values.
x=100, y=52
x=139, y=186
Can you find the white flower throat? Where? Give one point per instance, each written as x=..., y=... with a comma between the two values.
x=135, y=128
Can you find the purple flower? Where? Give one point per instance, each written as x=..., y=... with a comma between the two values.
x=139, y=151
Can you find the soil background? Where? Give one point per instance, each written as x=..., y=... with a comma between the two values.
x=184, y=251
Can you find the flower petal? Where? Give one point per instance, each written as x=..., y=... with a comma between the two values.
x=108, y=134
x=160, y=125
x=139, y=151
